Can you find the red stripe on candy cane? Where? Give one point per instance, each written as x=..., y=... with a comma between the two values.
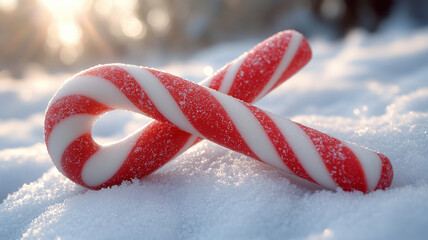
x=187, y=96
x=127, y=85
x=76, y=155
x=205, y=113
x=348, y=176
x=131, y=92
x=243, y=128
x=282, y=146
x=142, y=161
x=387, y=173
x=69, y=106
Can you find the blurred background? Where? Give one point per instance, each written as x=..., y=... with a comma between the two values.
x=70, y=35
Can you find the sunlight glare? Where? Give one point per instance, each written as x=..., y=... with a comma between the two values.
x=127, y=6
x=64, y=33
x=65, y=8
x=104, y=7
x=122, y=17
x=8, y=5
x=69, y=33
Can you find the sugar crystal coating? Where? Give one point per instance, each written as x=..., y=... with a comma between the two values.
x=205, y=113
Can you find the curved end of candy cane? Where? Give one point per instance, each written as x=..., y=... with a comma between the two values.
x=376, y=169
x=304, y=49
x=297, y=54
x=387, y=173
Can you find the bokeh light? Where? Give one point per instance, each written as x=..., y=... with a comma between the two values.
x=66, y=8
x=63, y=34
x=208, y=71
x=133, y=27
x=69, y=33
x=103, y=7
x=159, y=19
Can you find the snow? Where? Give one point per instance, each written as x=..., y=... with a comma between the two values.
x=368, y=89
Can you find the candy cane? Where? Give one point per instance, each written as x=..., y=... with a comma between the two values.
x=249, y=77
x=205, y=113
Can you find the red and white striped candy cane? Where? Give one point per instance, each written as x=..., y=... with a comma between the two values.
x=205, y=113
x=248, y=78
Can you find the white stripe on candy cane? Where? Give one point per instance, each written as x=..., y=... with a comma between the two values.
x=230, y=75
x=161, y=98
x=65, y=132
x=290, y=52
x=207, y=81
x=370, y=162
x=97, y=88
x=304, y=150
x=105, y=163
x=251, y=130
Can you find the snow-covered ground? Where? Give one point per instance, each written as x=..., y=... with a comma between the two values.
x=367, y=89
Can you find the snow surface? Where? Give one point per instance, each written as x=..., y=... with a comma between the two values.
x=367, y=89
